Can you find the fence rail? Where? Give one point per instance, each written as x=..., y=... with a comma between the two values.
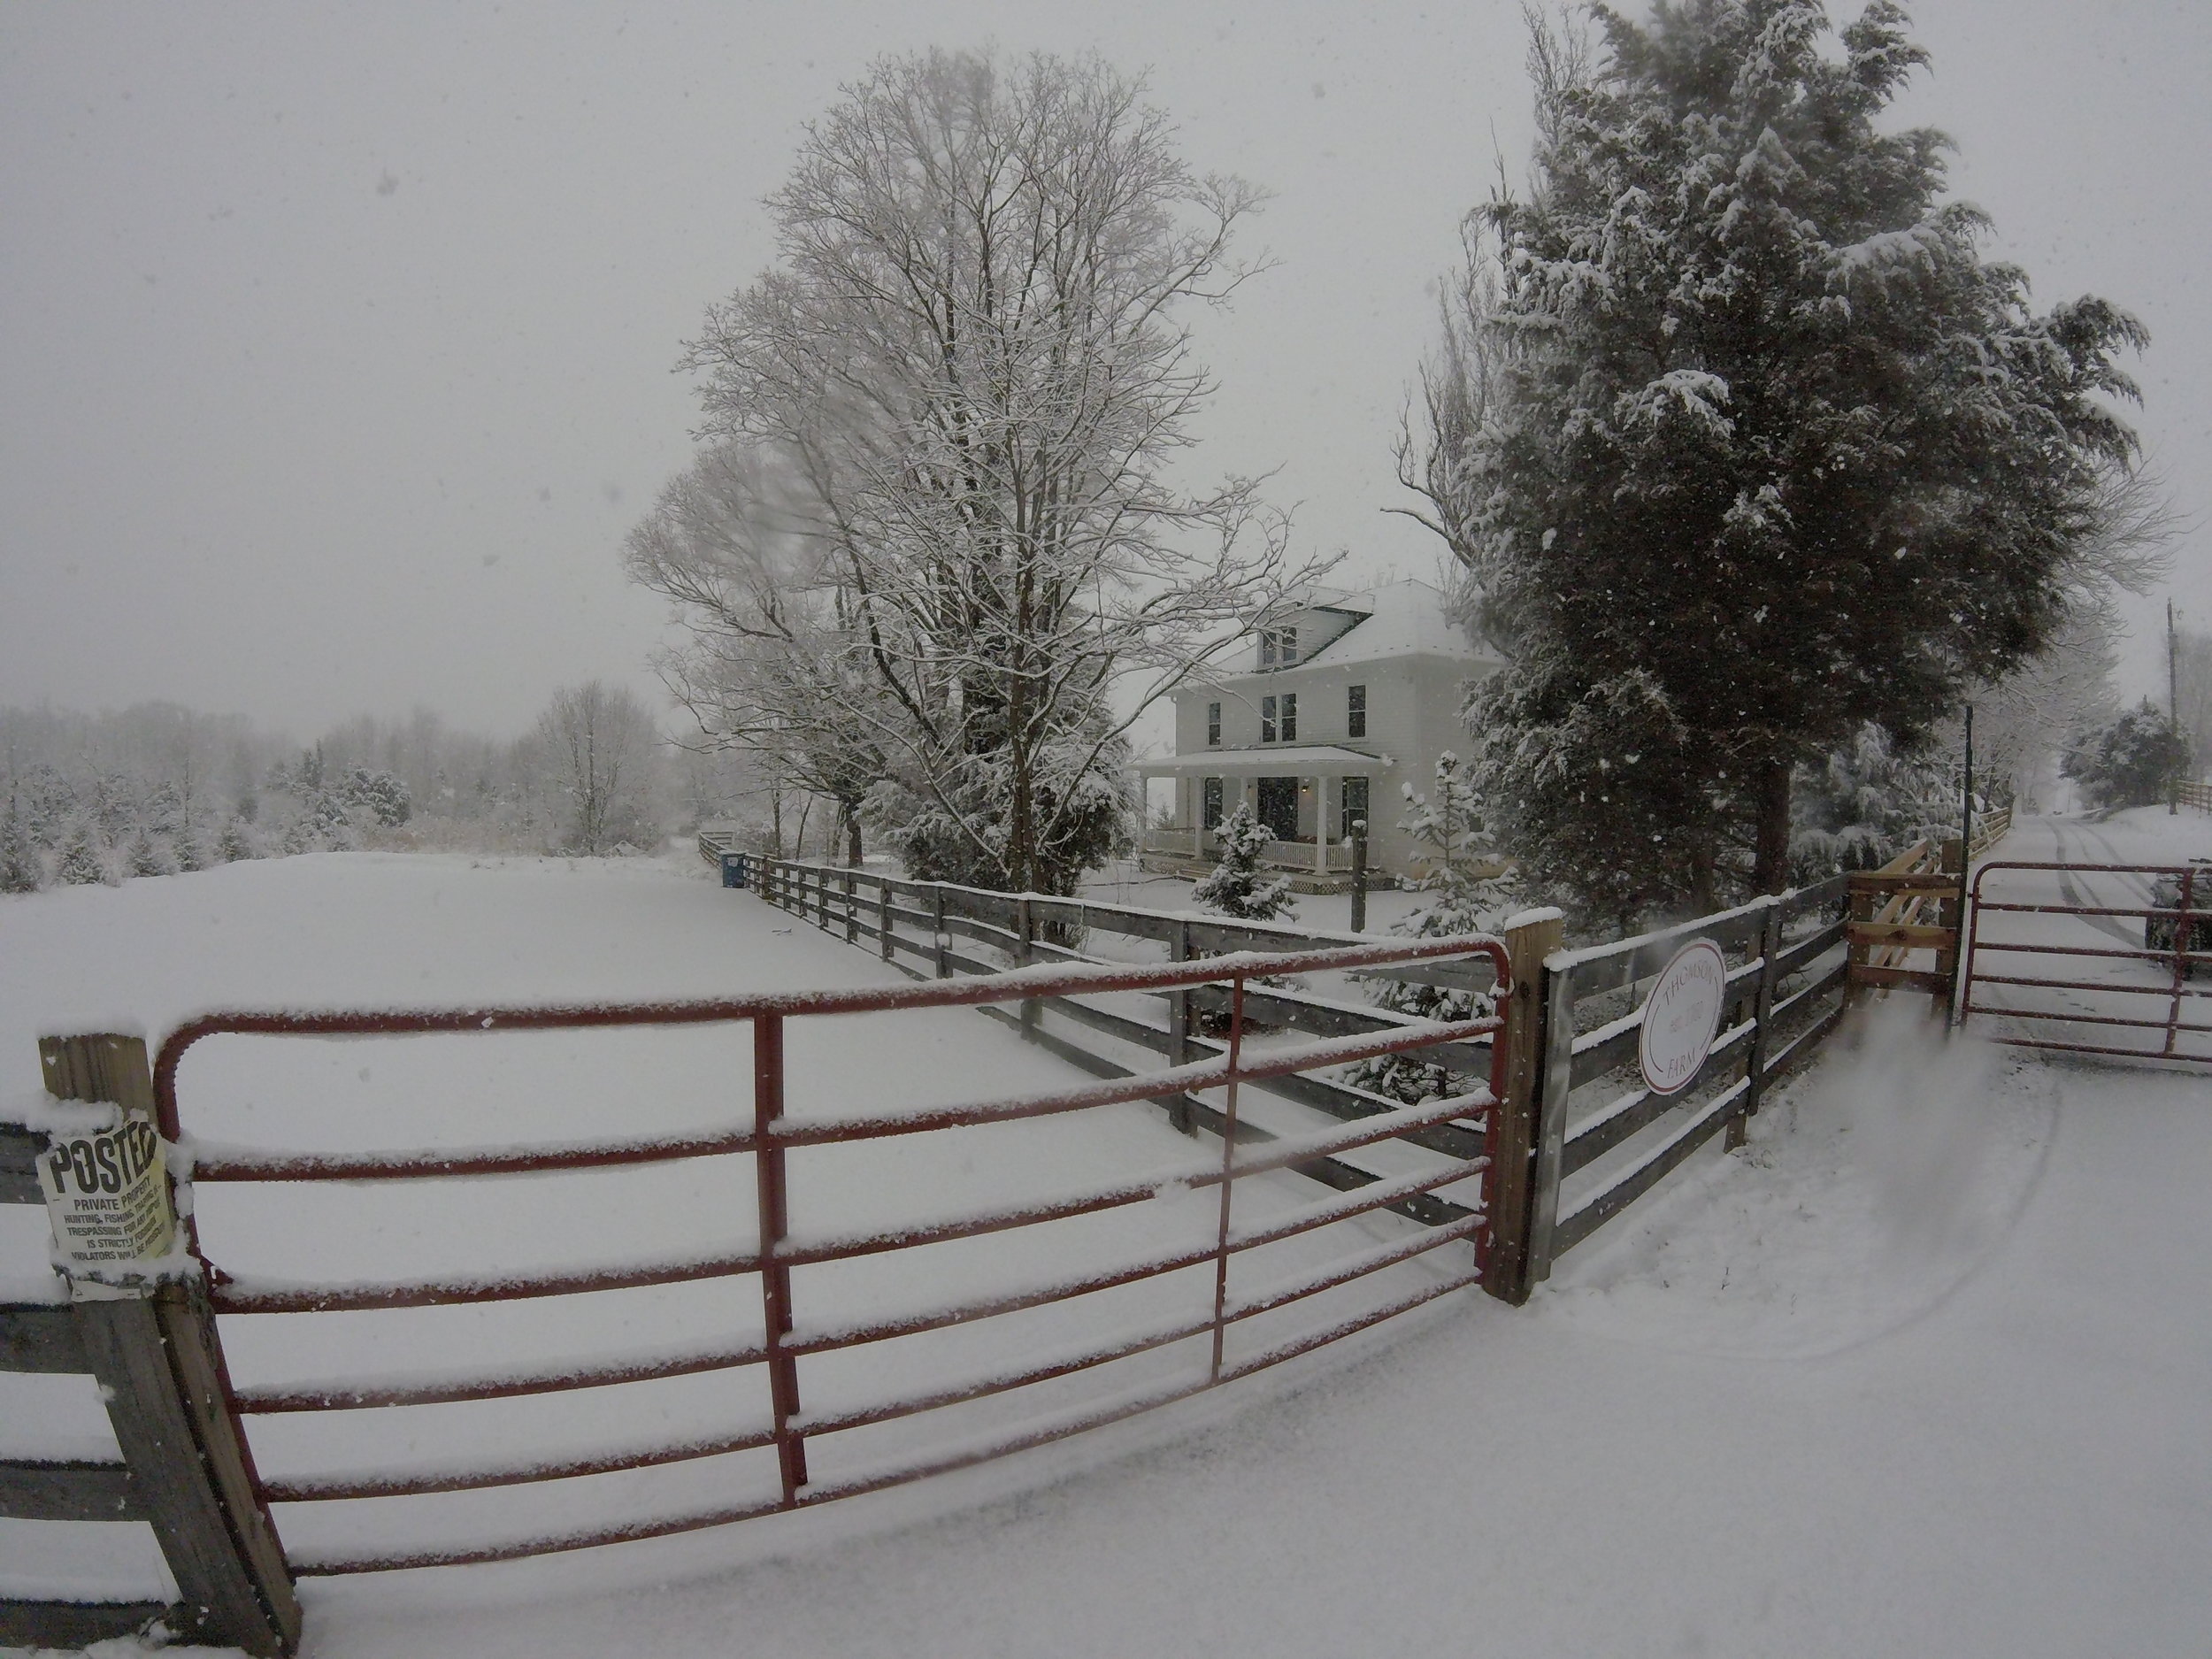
x=1209, y=1083
x=1595, y=1155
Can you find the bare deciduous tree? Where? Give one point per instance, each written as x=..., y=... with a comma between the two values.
x=962, y=388
x=596, y=746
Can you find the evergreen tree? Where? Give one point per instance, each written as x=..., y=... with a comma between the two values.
x=236, y=842
x=1864, y=805
x=1469, y=890
x=19, y=871
x=149, y=857
x=82, y=863
x=383, y=795
x=190, y=847
x=1744, y=444
x=1236, y=887
x=2132, y=762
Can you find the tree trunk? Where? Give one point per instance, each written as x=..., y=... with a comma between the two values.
x=852, y=837
x=1770, y=845
x=1703, y=896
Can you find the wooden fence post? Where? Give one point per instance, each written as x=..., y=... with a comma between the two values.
x=159, y=1365
x=1513, y=1137
x=1761, y=1015
x=852, y=910
x=1181, y=1010
x=1024, y=928
x=942, y=941
x=1359, y=875
x=1950, y=913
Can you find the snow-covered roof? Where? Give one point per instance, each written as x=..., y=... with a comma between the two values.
x=1404, y=618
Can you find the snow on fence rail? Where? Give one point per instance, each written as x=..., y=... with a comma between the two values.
x=1575, y=1024
x=1209, y=1269
x=1604, y=1136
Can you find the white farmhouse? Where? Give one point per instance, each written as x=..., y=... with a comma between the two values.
x=1340, y=702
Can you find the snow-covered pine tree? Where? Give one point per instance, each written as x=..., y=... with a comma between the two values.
x=189, y=845
x=82, y=863
x=1865, y=805
x=1236, y=887
x=148, y=856
x=2132, y=762
x=20, y=868
x=1466, y=892
x=1742, y=443
x=381, y=793
x=236, y=842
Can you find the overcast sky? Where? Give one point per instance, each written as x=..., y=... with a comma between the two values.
x=336, y=343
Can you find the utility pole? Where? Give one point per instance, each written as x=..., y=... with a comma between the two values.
x=2173, y=714
x=1966, y=806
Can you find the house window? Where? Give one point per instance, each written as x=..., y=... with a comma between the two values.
x=1354, y=807
x=1278, y=647
x=1213, y=727
x=1290, y=717
x=1355, y=711
x=1267, y=720
x=1267, y=648
x=1210, y=803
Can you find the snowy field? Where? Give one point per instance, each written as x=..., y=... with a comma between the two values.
x=1922, y=1370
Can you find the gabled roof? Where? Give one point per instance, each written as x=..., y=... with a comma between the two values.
x=1397, y=619
x=1404, y=618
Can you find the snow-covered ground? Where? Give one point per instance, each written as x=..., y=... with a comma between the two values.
x=1924, y=1370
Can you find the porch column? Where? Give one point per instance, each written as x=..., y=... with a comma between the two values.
x=1323, y=825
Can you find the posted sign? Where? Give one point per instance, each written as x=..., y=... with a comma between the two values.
x=107, y=1195
x=1680, y=1017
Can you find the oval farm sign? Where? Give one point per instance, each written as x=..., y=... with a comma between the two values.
x=1681, y=1016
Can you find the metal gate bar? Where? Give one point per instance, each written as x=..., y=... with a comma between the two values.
x=2189, y=921
x=771, y=1137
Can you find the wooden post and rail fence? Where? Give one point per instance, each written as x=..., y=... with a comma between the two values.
x=1579, y=1137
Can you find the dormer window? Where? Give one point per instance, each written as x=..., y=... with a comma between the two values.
x=1278, y=647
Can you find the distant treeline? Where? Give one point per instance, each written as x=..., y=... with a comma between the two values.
x=156, y=788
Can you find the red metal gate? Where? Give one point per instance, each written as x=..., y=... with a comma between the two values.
x=2102, y=959
x=783, y=1425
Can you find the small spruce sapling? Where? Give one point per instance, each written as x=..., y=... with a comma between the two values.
x=1235, y=888
x=236, y=842
x=81, y=864
x=1467, y=894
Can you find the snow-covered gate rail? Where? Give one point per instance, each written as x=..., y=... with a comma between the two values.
x=935, y=929
x=1212, y=1331
x=1565, y=1166
x=2093, y=959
